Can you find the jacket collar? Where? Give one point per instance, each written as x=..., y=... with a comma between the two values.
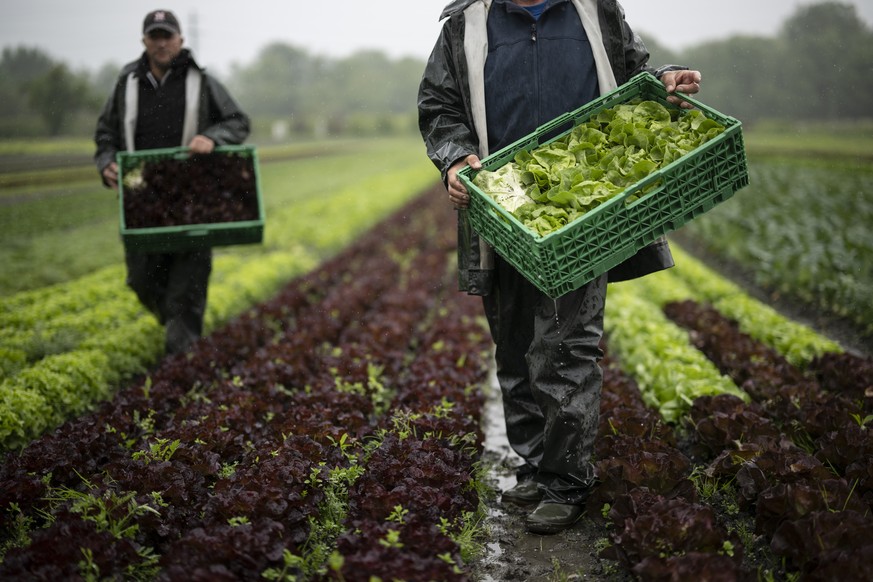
x=455, y=7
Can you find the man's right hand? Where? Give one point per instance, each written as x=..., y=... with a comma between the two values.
x=458, y=195
x=110, y=175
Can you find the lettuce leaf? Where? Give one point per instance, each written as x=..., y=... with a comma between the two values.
x=549, y=186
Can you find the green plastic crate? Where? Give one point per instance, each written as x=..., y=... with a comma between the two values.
x=584, y=249
x=188, y=237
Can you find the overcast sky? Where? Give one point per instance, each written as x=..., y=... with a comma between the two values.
x=90, y=33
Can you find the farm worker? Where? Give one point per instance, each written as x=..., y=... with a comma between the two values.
x=164, y=99
x=499, y=70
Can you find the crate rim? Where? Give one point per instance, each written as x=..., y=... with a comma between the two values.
x=131, y=234
x=535, y=256
x=586, y=111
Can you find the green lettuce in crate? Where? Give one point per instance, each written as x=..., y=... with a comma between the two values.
x=551, y=185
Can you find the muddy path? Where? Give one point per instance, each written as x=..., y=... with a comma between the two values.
x=513, y=554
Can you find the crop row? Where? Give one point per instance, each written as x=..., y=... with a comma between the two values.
x=635, y=309
x=802, y=230
x=691, y=279
x=332, y=432
x=329, y=432
x=766, y=468
x=66, y=347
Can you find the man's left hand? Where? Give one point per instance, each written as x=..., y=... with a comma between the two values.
x=200, y=144
x=687, y=82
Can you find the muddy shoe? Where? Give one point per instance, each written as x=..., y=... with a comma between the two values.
x=551, y=518
x=527, y=492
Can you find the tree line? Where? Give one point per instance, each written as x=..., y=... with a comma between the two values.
x=819, y=67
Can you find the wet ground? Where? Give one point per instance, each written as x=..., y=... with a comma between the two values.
x=512, y=554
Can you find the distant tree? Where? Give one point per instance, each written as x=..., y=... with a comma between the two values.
x=18, y=66
x=371, y=81
x=276, y=84
x=22, y=64
x=365, y=92
x=58, y=95
x=742, y=77
x=105, y=78
x=830, y=59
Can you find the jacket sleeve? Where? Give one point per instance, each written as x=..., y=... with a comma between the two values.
x=226, y=123
x=108, y=136
x=443, y=111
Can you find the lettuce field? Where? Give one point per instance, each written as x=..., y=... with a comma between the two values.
x=330, y=425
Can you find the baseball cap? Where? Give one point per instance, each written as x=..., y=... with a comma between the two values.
x=161, y=20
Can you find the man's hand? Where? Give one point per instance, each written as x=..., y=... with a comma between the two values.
x=200, y=144
x=110, y=175
x=687, y=82
x=458, y=195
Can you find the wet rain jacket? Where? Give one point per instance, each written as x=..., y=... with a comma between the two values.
x=173, y=286
x=451, y=105
x=213, y=113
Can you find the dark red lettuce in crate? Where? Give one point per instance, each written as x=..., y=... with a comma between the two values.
x=200, y=189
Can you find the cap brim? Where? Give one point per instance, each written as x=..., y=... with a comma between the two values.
x=161, y=26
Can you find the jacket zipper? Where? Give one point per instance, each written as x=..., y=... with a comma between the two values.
x=533, y=39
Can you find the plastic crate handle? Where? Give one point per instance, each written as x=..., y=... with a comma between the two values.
x=690, y=99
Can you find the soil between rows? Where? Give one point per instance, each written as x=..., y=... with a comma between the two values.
x=513, y=554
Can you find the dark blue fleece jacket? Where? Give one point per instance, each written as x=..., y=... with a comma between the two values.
x=536, y=70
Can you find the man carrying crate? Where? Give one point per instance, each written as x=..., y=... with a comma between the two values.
x=163, y=100
x=499, y=70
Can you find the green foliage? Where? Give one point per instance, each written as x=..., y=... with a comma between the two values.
x=836, y=27
x=19, y=527
x=50, y=235
x=159, y=450
x=803, y=230
x=110, y=512
x=63, y=348
x=670, y=372
x=363, y=94
x=468, y=532
x=33, y=83
x=19, y=66
x=749, y=77
x=57, y=95
x=755, y=78
x=23, y=64
x=691, y=279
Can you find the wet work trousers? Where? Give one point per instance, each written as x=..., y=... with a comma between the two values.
x=547, y=356
x=173, y=286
